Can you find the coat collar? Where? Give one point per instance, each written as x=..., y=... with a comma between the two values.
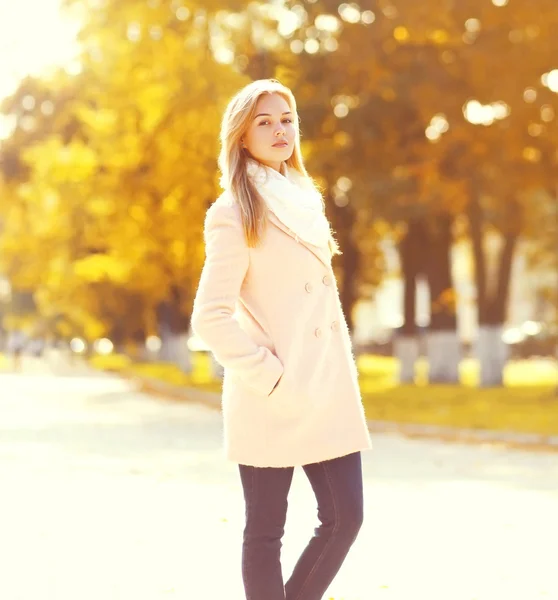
x=323, y=254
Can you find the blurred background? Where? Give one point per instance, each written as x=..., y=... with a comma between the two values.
x=431, y=127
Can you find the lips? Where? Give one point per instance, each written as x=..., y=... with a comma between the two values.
x=282, y=144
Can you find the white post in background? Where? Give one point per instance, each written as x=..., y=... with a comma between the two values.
x=492, y=353
x=443, y=349
x=406, y=350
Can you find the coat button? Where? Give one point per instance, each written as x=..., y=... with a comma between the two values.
x=326, y=279
x=308, y=287
x=318, y=332
x=335, y=326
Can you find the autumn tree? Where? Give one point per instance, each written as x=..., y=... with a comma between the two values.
x=126, y=194
x=437, y=108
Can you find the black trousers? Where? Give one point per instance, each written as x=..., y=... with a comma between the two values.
x=337, y=484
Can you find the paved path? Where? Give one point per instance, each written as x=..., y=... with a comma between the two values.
x=106, y=493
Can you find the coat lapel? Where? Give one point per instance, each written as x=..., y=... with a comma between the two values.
x=323, y=254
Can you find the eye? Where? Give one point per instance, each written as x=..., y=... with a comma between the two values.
x=263, y=123
x=287, y=120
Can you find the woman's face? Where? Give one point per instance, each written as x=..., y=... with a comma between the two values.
x=271, y=136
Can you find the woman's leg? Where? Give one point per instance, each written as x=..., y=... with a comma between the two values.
x=265, y=495
x=338, y=487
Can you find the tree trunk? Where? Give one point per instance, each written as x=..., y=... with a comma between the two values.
x=343, y=221
x=406, y=345
x=173, y=331
x=491, y=351
x=350, y=259
x=442, y=344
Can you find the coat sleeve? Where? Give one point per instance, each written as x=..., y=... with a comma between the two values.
x=225, y=266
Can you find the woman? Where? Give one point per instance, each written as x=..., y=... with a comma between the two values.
x=267, y=306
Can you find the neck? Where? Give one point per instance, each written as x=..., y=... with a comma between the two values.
x=276, y=166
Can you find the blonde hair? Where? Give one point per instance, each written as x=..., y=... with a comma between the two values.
x=238, y=115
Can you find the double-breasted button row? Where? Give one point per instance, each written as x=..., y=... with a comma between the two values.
x=334, y=327
x=326, y=280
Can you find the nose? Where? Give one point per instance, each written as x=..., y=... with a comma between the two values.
x=280, y=130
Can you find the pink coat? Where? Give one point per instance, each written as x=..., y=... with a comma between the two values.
x=270, y=313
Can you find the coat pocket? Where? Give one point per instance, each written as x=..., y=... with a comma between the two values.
x=284, y=401
x=255, y=330
x=277, y=386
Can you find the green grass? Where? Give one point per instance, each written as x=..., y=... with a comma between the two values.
x=526, y=403
x=526, y=409
x=382, y=371
x=168, y=372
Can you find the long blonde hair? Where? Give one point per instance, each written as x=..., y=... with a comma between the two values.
x=238, y=115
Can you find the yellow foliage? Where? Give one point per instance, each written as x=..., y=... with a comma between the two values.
x=99, y=267
x=119, y=178
x=117, y=210
x=401, y=34
x=61, y=163
x=439, y=36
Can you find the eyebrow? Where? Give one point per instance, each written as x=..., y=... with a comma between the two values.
x=268, y=115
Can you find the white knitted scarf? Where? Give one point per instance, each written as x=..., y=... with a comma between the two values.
x=293, y=199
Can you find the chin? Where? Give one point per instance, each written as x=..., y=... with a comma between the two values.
x=281, y=154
